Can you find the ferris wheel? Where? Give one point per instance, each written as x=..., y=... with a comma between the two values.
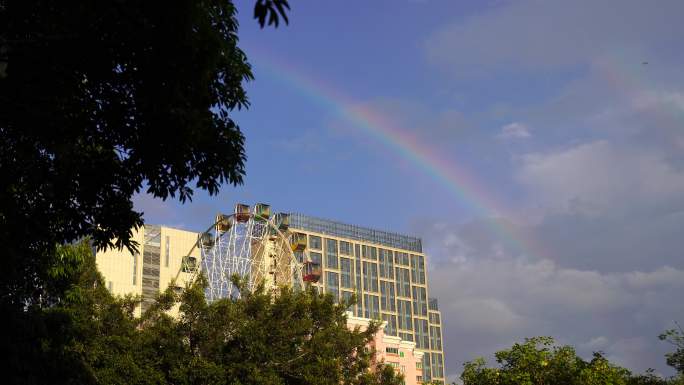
x=253, y=245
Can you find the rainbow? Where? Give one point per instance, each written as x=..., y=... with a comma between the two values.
x=403, y=143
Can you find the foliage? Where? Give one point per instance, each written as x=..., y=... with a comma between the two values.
x=676, y=338
x=539, y=361
x=97, y=100
x=88, y=336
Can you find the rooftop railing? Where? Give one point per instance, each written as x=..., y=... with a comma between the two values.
x=364, y=234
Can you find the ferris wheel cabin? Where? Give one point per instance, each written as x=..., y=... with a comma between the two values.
x=241, y=212
x=262, y=211
x=223, y=223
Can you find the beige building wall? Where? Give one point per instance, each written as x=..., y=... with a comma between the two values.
x=121, y=269
x=156, y=264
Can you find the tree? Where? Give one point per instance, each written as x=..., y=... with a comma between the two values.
x=539, y=361
x=676, y=338
x=99, y=100
x=88, y=336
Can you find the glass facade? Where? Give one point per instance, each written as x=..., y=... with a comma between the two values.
x=370, y=277
x=346, y=273
x=435, y=337
x=419, y=301
x=422, y=337
x=331, y=260
x=332, y=284
x=315, y=257
x=387, y=298
x=391, y=327
x=403, y=283
x=315, y=242
x=418, y=269
x=405, y=316
x=371, y=304
x=386, y=261
x=345, y=248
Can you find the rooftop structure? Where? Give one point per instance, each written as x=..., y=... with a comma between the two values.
x=358, y=233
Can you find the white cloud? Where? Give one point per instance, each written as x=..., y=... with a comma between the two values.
x=514, y=130
x=593, y=178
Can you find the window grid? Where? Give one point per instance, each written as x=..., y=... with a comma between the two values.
x=370, y=277
x=388, y=300
x=332, y=284
x=347, y=281
x=371, y=306
x=405, y=316
x=315, y=242
x=419, y=301
x=331, y=254
x=386, y=263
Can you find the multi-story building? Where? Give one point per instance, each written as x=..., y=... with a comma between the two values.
x=385, y=271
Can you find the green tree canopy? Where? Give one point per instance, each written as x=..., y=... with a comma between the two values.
x=676, y=338
x=539, y=361
x=99, y=100
x=88, y=336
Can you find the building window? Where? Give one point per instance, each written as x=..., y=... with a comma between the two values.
x=437, y=365
x=434, y=318
x=357, y=269
x=427, y=374
x=418, y=269
x=401, y=258
x=419, y=301
x=370, y=252
x=135, y=268
x=403, y=283
x=332, y=284
x=314, y=242
x=346, y=272
x=167, y=251
x=371, y=306
x=436, y=337
x=331, y=253
x=422, y=338
x=346, y=298
x=370, y=277
x=391, y=350
x=386, y=264
x=345, y=248
x=406, y=336
x=387, y=296
x=315, y=257
x=405, y=317
x=391, y=327
x=419, y=365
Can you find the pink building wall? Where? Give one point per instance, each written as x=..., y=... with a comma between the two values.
x=393, y=351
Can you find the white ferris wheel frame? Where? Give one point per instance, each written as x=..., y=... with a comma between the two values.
x=241, y=250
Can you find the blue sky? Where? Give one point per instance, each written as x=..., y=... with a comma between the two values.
x=568, y=115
